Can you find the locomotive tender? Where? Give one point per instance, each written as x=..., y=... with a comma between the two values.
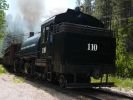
x=72, y=48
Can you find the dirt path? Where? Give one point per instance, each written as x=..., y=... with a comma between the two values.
x=12, y=88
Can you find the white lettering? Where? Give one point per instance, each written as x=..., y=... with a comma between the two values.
x=92, y=47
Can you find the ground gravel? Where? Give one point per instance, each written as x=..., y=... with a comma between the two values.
x=16, y=88
x=24, y=90
x=120, y=90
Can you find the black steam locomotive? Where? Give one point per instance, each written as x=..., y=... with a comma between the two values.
x=72, y=48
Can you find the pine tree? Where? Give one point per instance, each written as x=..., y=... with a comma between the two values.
x=103, y=11
x=87, y=7
x=3, y=6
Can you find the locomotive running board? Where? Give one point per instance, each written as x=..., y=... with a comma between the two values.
x=85, y=85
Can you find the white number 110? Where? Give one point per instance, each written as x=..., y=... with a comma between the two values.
x=92, y=47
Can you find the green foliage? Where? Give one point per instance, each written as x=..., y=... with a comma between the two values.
x=2, y=70
x=2, y=19
x=87, y=7
x=121, y=53
x=117, y=12
x=130, y=65
x=122, y=82
x=3, y=6
x=98, y=11
x=18, y=79
x=103, y=11
x=124, y=60
x=126, y=83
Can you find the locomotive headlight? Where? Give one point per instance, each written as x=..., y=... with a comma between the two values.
x=92, y=47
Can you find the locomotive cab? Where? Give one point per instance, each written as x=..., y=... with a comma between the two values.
x=46, y=41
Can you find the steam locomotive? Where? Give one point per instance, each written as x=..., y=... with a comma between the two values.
x=72, y=48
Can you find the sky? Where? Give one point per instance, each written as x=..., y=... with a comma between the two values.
x=51, y=7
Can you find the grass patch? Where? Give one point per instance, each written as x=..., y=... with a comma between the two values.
x=122, y=82
x=119, y=82
x=15, y=79
x=2, y=70
x=18, y=79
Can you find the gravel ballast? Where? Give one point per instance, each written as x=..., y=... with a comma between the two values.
x=16, y=88
x=11, y=90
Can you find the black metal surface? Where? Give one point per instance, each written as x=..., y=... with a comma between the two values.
x=65, y=48
x=76, y=50
x=9, y=54
x=82, y=29
x=30, y=47
x=78, y=18
x=75, y=17
x=71, y=51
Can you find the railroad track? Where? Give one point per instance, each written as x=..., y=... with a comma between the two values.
x=83, y=93
x=119, y=94
x=101, y=94
x=89, y=93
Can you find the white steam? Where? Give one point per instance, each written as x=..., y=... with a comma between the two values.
x=31, y=11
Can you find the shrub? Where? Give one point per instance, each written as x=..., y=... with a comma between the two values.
x=2, y=70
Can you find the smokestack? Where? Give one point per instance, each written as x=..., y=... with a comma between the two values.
x=77, y=9
x=31, y=34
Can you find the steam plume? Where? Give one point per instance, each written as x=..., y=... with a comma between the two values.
x=31, y=11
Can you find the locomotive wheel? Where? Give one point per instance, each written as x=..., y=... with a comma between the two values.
x=62, y=81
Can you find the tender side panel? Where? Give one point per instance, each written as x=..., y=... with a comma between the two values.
x=58, y=52
x=85, y=49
